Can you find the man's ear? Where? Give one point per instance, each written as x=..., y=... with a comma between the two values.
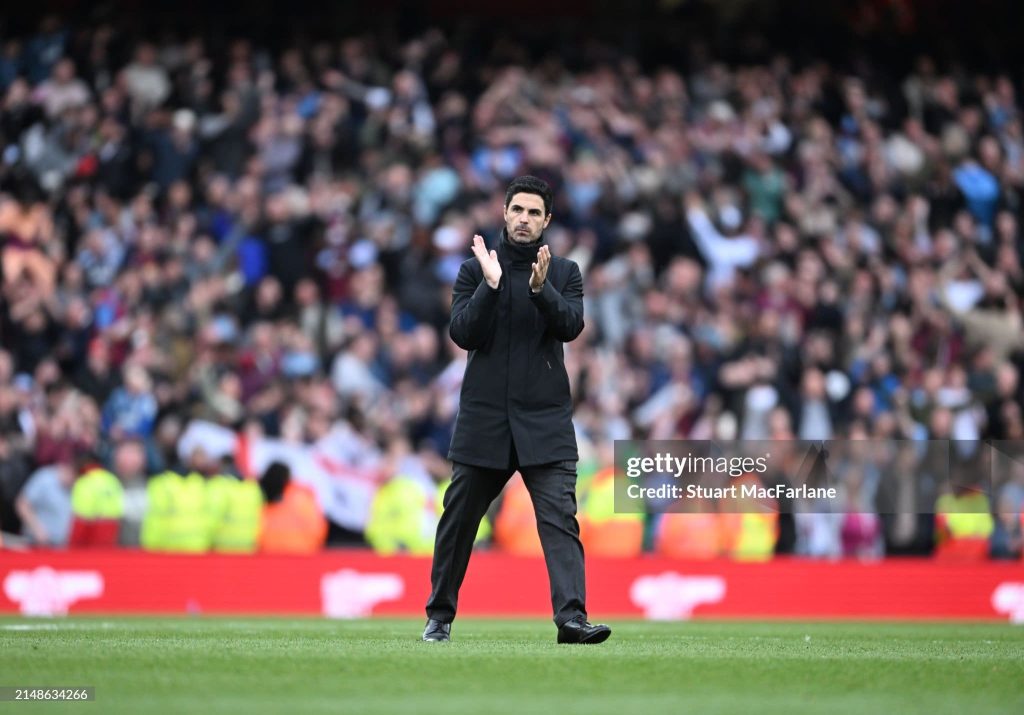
x=547, y=220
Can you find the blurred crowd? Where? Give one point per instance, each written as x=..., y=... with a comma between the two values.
x=209, y=230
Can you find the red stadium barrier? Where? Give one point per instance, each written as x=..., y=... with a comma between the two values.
x=359, y=583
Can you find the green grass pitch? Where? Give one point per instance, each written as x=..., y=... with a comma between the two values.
x=242, y=666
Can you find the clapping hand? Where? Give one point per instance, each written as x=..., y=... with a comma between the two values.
x=488, y=262
x=540, y=269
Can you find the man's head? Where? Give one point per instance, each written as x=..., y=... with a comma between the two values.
x=527, y=209
x=274, y=481
x=130, y=461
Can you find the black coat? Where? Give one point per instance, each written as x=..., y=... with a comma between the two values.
x=515, y=390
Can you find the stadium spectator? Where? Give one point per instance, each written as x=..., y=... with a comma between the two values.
x=14, y=473
x=292, y=521
x=129, y=465
x=44, y=505
x=97, y=504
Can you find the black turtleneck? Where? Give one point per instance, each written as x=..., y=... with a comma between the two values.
x=518, y=254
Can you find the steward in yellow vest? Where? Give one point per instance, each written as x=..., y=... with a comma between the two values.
x=234, y=507
x=97, y=494
x=97, y=505
x=404, y=515
x=603, y=531
x=964, y=524
x=176, y=514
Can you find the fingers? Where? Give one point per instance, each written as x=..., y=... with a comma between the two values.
x=543, y=259
x=478, y=245
x=480, y=249
x=539, y=270
x=536, y=278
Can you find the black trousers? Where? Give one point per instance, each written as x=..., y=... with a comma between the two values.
x=552, y=489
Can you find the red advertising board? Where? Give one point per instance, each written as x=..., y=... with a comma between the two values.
x=359, y=583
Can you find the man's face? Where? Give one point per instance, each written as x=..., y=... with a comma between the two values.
x=525, y=218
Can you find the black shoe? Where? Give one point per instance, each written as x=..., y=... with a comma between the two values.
x=579, y=631
x=437, y=631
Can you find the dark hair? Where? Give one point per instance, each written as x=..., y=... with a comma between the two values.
x=85, y=459
x=274, y=480
x=23, y=187
x=529, y=185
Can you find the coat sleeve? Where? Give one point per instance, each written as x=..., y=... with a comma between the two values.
x=474, y=307
x=562, y=311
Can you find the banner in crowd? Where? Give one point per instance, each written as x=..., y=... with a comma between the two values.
x=355, y=584
x=341, y=469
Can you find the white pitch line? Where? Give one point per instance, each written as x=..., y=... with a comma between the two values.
x=54, y=626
